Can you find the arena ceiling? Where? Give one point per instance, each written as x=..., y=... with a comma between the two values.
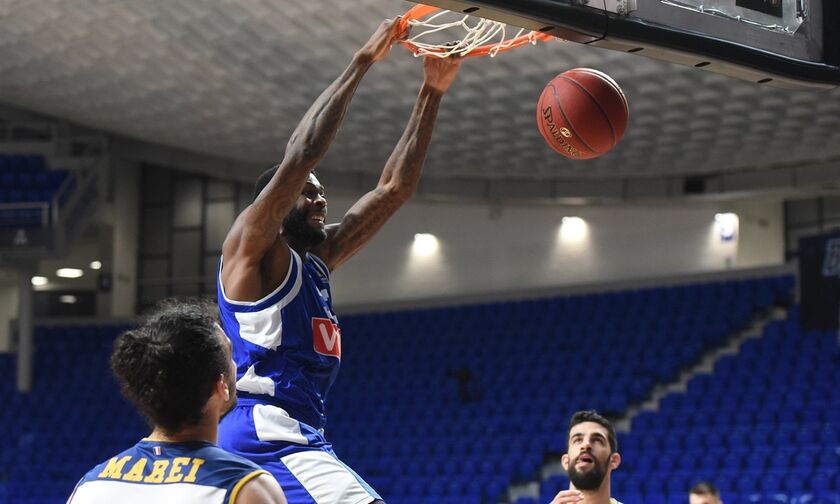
x=230, y=79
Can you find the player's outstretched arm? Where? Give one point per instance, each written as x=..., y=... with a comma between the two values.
x=255, y=231
x=401, y=173
x=263, y=489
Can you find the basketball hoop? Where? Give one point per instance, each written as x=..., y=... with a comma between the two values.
x=483, y=37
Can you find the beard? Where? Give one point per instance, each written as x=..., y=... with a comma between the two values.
x=296, y=227
x=591, y=479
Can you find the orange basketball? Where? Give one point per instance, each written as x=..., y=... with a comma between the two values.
x=582, y=113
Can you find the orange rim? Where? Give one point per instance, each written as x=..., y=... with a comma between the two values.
x=420, y=11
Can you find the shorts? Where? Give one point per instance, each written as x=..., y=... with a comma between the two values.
x=298, y=455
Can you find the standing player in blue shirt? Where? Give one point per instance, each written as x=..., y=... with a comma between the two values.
x=274, y=292
x=177, y=369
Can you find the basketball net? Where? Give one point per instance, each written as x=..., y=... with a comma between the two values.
x=481, y=37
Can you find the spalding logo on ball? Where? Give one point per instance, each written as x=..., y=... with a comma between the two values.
x=582, y=113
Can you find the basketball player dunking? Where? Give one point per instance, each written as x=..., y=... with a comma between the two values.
x=274, y=291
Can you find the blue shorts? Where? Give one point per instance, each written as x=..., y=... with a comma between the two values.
x=296, y=454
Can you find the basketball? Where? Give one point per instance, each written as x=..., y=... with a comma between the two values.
x=582, y=113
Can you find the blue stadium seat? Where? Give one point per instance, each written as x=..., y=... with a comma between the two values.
x=655, y=498
x=526, y=499
x=424, y=446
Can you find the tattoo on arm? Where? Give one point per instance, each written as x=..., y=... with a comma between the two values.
x=305, y=149
x=316, y=131
x=396, y=185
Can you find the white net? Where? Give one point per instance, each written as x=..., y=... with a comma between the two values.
x=477, y=33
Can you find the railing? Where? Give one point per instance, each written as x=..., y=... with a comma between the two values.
x=13, y=210
x=64, y=193
x=52, y=224
x=74, y=202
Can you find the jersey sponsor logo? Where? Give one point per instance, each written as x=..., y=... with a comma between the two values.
x=327, y=337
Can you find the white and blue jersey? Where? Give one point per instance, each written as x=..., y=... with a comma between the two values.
x=287, y=346
x=163, y=473
x=287, y=349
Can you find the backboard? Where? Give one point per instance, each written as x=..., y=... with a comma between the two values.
x=781, y=43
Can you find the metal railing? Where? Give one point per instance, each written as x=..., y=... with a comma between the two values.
x=14, y=209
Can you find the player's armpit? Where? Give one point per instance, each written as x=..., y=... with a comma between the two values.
x=263, y=489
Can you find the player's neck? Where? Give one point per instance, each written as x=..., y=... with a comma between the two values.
x=301, y=251
x=207, y=430
x=599, y=496
x=299, y=248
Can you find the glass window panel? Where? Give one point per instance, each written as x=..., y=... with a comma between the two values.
x=186, y=202
x=211, y=268
x=186, y=254
x=218, y=189
x=220, y=215
x=154, y=269
x=154, y=279
x=157, y=185
x=150, y=294
x=186, y=288
x=155, y=230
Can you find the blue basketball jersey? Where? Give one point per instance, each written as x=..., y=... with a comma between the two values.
x=287, y=346
x=159, y=472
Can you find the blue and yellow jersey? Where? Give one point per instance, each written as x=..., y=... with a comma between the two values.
x=160, y=473
x=287, y=346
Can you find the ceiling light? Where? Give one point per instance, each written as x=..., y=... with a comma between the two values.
x=573, y=230
x=38, y=281
x=67, y=299
x=95, y=265
x=425, y=244
x=69, y=272
x=727, y=225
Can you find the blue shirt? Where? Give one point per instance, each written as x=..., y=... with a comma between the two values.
x=287, y=345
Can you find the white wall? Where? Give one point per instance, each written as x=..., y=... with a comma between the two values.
x=79, y=255
x=762, y=226
x=515, y=248
x=126, y=232
x=488, y=249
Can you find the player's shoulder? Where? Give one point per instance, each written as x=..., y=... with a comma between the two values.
x=104, y=466
x=227, y=470
x=282, y=294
